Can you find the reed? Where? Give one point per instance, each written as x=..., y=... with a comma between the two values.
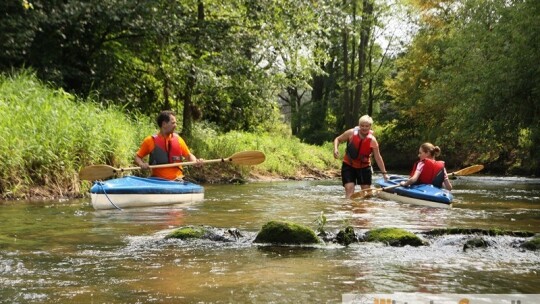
x=47, y=136
x=286, y=156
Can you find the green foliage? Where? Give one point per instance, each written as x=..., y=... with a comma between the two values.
x=465, y=83
x=48, y=136
x=218, y=59
x=320, y=222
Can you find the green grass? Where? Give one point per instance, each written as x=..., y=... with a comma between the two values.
x=48, y=135
x=285, y=155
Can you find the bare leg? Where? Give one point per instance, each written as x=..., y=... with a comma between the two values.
x=349, y=189
x=365, y=187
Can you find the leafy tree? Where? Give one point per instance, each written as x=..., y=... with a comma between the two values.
x=465, y=83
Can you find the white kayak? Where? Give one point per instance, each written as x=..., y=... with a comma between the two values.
x=132, y=191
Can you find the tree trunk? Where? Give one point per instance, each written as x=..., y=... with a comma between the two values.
x=346, y=106
x=187, y=121
x=367, y=20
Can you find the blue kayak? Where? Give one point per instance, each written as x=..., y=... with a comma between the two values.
x=422, y=194
x=132, y=191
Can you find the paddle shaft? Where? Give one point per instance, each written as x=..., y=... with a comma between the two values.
x=222, y=160
x=361, y=192
x=99, y=172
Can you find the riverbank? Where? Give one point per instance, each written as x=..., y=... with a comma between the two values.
x=57, y=135
x=206, y=175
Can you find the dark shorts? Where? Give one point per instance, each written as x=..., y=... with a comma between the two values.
x=357, y=176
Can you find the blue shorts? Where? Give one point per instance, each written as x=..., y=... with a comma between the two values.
x=354, y=175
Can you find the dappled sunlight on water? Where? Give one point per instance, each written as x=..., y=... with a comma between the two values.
x=66, y=252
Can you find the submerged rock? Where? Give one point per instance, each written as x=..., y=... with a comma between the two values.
x=286, y=233
x=207, y=233
x=476, y=242
x=478, y=231
x=346, y=236
x=393, y=237
x=533, y=244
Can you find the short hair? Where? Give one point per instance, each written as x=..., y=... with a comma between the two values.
x=164, y=116
x=365, y=118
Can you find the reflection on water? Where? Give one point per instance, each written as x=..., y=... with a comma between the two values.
x=67, y=252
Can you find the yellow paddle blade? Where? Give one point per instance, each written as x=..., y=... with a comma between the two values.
x=365, y=193
x=371, y=191
x=97, y=172
x=469, y=170
x=248, y=158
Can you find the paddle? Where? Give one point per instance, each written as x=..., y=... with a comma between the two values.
x=465, y=171
x=363, y=192
x=99, y=172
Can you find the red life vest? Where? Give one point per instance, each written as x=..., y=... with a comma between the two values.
x=431, y=172
x=358, y=151
x=162, y=155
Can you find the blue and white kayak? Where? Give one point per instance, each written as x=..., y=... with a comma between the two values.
x=422, y=194
x=132, y=191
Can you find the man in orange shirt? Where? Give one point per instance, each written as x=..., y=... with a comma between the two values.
x=165, y=147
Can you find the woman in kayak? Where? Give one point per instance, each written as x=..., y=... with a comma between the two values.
x=428, y=170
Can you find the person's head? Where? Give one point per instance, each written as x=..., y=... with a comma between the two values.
x=365, y=123
x=365, y=119
x=166, y=121
x=428, y=150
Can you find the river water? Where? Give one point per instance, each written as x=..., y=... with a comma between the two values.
x=65, y=252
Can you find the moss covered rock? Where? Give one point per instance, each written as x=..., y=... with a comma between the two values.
x=478, y=231
x=190, y=232
x=286, y=233
x=346, y=236
x=533, y=244
x=393, y=237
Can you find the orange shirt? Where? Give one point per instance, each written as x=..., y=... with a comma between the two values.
x=171, y=173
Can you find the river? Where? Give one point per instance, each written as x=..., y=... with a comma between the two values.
x=65, y=252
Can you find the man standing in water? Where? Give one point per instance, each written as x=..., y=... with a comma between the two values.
x=356, y=167
x=165, y=147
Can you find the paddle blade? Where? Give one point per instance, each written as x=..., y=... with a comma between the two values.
x=371, y=191
x=361, y=194
x=248, y=158
x=97, y=172
x=469, y=170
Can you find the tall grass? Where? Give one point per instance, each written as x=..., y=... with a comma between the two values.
x=47, y=136
x=286, y=156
